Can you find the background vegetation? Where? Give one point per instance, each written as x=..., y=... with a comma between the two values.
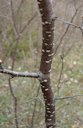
x=20, y=49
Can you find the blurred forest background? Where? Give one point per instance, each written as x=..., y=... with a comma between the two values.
x=20, y=50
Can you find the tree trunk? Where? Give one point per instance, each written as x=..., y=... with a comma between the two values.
x=45, y=7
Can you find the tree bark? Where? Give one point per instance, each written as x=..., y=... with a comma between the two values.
x=46, y=12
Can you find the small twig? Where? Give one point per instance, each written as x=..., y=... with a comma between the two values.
x=34, y=109
x=59, y=80
x=67, y=97
x=5, y=6
x=19, y=7
x=15, y=102
x=28, y=22
x=5, y=17
x=66, y=22
x=69, y=23
x=14, y=21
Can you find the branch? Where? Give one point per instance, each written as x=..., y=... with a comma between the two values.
x=61, y=72
x=68, y=26
x=69, y=23
x=19, y=7
x=15, y=102
x=67, y=97
x=34, y=109
x=14, y=20
x=19, y=74
x=28, y=22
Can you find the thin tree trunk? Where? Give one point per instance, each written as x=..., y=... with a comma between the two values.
x=45, y=7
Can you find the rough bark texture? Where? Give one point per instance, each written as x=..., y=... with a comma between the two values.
x=45, y=7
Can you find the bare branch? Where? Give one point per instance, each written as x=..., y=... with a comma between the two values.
x=19, y=74
x=34, y=109
x=69, y=24
x=61, y=71
x=28, y=22
x=5, y=17
x=15, y=102
x=14, y=21
x=67, y=97
x=19, y=7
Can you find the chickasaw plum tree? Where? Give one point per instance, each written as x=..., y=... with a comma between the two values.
x=47, y=22
x=46, y=12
